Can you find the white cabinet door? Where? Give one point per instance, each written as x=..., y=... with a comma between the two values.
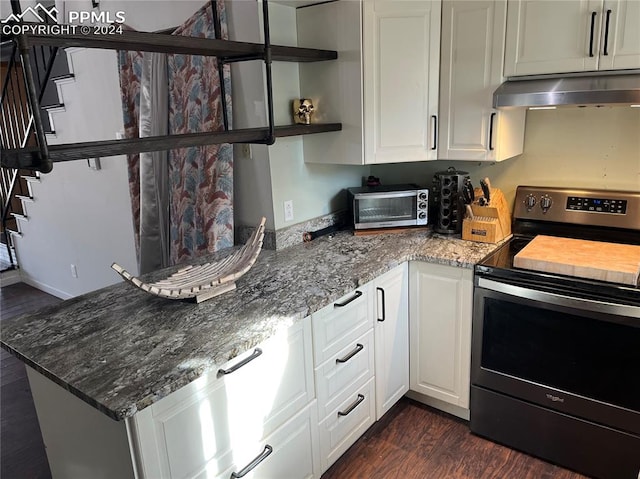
x=471, y=61
x=203, y=426
x=552, y=36
x=291, y=452
x=391, y=311
x=349, y=369
x=440, y=351
x=337, y=325
x=620, y=45
x=401, y=68
x=346, y=423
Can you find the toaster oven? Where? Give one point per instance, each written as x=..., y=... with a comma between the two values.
x=388, y=206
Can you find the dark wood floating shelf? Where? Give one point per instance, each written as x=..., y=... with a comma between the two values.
x=162, y=43
x=105, y=148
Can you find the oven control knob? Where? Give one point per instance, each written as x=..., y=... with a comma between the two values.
x=422, y=215
x=422, y=206
x=530, y=202
x=422, y=196
x=545, y=203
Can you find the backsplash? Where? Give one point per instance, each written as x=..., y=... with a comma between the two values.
x=292, y=235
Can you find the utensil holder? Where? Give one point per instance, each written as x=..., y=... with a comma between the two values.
x=490, y=224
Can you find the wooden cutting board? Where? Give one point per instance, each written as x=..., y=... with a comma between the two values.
x=618, y=263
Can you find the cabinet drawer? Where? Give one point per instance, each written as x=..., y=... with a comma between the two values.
x=200, y=426
x=291, y=452
x=335, y=326
x=347, y=370
x=338, y=432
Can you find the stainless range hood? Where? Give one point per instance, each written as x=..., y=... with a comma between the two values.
x=569, y=91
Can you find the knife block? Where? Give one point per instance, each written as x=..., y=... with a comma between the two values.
x=490, y=224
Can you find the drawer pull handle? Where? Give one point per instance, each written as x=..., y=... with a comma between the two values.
x=353, y=406
x=384, y=308
x=256, y=352
x=253, y=464
x=356, y=295
x=359, y=347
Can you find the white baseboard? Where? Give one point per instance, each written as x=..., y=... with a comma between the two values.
x=46, y=288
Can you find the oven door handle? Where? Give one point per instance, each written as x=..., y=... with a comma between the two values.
x=561, y=300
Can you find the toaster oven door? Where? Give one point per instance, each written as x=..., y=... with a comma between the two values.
x=384, y=210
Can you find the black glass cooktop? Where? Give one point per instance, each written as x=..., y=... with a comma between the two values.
x=499, y=266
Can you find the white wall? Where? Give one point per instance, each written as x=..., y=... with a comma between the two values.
x=81, y=216
x=251, y=173
x=584, y=147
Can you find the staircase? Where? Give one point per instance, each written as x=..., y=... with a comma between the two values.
x=50, y=68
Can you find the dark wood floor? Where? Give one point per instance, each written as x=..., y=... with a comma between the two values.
x=411, y=441
x=22, y=454
x=415, y=441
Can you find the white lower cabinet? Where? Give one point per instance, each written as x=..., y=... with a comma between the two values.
x=292, y=451
x=216, y=422
x=441, y=300
x=344, y=353
x=351, y=367
x=354, y=414
x=270, y=413
x=391, y=319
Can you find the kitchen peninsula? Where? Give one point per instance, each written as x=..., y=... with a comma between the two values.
x=121, y=350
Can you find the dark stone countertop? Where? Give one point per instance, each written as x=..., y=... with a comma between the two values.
x=121, y=349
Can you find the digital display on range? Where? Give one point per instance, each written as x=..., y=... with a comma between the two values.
x=597, y=205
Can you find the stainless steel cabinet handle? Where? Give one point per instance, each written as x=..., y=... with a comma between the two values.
x=493, y=115
x=359, y=347
x=252, y=465
x=352, y=406
x=355, y=296
x=592, y=30
x=606, y=33
x=256, y=352
x=384, y=308
x=435, y=132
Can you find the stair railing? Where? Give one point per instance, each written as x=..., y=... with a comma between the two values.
x=21, y=124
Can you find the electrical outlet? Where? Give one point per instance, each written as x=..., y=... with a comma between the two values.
x=74, y=271
x=288, y=210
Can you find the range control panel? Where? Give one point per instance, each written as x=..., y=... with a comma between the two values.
x=597, y=205
x=610, y=208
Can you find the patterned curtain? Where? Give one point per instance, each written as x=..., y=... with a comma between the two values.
x=201, y=178
x=130, y=66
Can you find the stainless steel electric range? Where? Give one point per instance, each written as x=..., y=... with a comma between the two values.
x=556, y=359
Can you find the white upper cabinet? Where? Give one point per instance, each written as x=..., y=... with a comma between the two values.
x=384, y=85
x=571, y=36
x=621, y=47
x=401, y=69
x=472, y=52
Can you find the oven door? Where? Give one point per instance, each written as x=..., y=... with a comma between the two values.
x=573, y=355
